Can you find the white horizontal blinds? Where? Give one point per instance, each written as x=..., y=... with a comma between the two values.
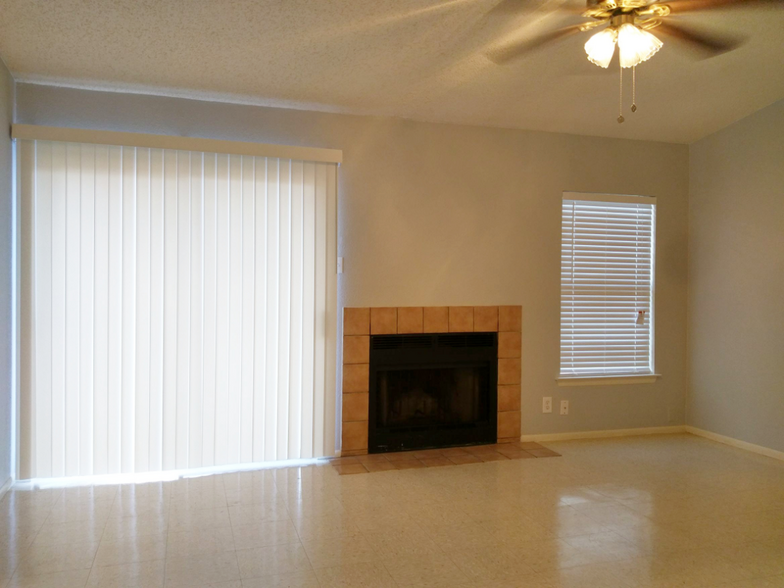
x=181, y=309
x=607, y=250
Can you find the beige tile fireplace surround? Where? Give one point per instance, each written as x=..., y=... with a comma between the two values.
x=360, y=323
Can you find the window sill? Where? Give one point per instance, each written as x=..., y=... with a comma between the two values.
x=607, y=380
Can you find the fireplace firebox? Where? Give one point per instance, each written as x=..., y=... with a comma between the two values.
x=432, y=390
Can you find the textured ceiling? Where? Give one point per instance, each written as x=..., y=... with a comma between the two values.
x=419, y=59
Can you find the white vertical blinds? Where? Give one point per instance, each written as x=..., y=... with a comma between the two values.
x=607, y=261
x=179, y=309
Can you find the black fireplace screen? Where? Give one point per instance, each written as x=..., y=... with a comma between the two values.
x=432, y=391
x=432, y=396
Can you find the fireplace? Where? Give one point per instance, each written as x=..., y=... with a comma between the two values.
x=424, y=338
x=434, y=390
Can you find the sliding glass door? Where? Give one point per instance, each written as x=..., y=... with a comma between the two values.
x=178, y=309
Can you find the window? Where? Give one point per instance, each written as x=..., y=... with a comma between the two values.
x=607, y=262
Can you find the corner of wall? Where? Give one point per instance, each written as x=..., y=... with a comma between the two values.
x=733, y=313
x=7, y=281
x=687, y=395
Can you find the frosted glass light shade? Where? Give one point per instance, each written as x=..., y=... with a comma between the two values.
x=636, y=45
x=601, y=46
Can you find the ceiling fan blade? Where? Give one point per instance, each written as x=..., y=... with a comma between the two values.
x=512, y=12
x=708, y=43
x=508, y=51
x=683, y=6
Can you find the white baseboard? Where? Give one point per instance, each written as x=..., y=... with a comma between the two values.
x=604, y=434
x=731, y=441
x=6, y=487
x=574, y=435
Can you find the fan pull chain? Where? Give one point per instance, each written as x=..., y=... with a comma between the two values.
x=620, y=99
x=634, y=89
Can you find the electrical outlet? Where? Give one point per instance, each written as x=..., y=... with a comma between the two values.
x=547, y=404
x=564, y=407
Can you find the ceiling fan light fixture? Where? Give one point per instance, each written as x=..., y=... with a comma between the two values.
x=636, y=45
x=601, y=46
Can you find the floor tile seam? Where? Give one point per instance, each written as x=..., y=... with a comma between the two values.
x=26, y=550
x=242, y=578
x=89, y=572
x=166, y=547
x=384, y=564
x=106, y=524
x=16, y=567
x=97, y=549
x=46, y=519
x=231, y=527
x=615, y=533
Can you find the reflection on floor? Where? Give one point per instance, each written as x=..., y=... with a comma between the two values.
x=659, y=511
x=429, y=458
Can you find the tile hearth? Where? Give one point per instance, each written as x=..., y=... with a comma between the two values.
x=405, y=460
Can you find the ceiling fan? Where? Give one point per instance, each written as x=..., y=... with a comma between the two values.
x=627, y=24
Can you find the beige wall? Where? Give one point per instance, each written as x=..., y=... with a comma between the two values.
x=433, y=214
x=736, y=272
x=6, y=281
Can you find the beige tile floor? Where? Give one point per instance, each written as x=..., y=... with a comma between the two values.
x=674, y=511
